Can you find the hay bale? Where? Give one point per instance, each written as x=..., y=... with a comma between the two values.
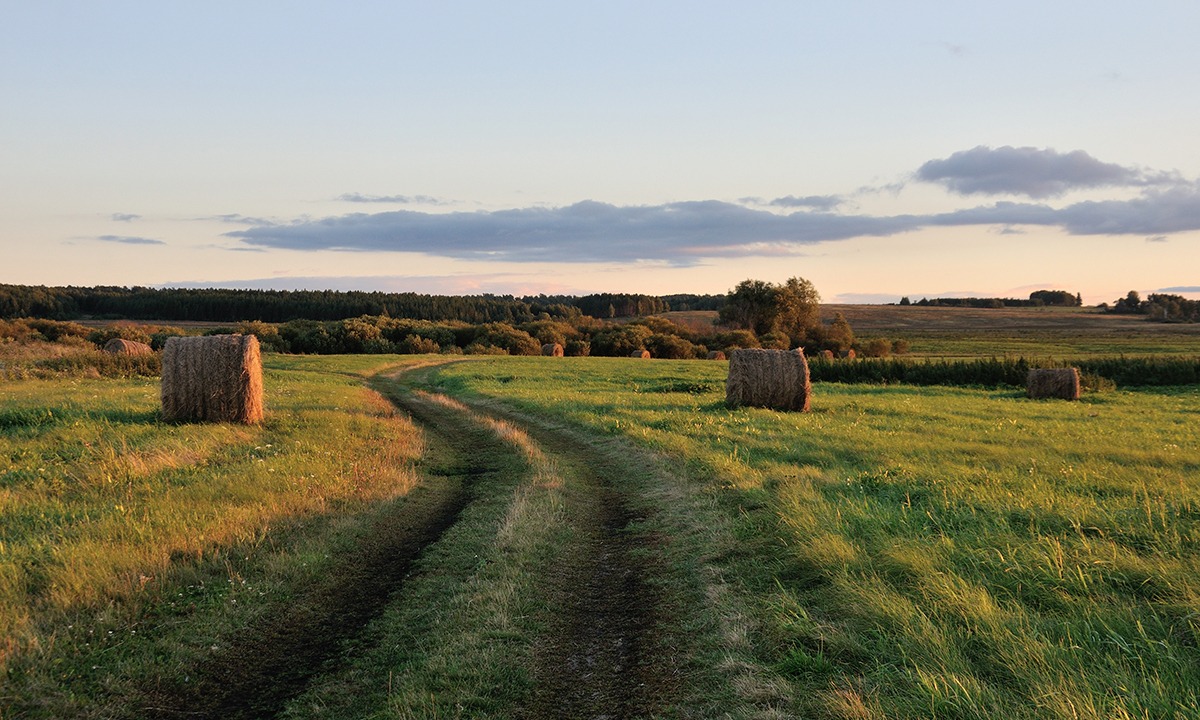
x=827, y=354
x=643, y=354
x=848, y=354
x=1058, y=383
x=118, y=346
x=776, y=379
x=215, y=379
x=716, y=355
x=552, y=350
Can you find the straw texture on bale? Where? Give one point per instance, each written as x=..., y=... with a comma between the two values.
x=716, y=355
x=643, y=354
x=776, y=379
x=552, y=350
x=215, y=379
x=1057, y=383
x=117, y=346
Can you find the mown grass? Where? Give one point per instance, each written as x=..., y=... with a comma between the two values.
x=931, y=552
x=128, y=546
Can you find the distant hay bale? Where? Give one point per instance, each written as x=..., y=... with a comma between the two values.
x=848, y=354
x=827, y=354
x=214, y=379
x=776, y=379
x=118, y=346
x=552, y=350
x=643, y=354
x=716, y=355
x=1058, y=383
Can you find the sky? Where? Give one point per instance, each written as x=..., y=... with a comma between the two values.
x=877, y=149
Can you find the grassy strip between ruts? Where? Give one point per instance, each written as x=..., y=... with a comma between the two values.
x=130, y=547
x=931, y=552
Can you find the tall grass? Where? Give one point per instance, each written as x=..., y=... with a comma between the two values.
x=930, y=551
x=106, y=511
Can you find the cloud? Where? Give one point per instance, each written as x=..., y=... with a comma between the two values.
x=467, y=284
x=238, y=219
x=1157, y=239
x=1180, y=289
x=394, y=199
x=125, y=239
x=1030, y=171
x=125, y=217
x=816, y=202
x=587, y=231
x=683, y=233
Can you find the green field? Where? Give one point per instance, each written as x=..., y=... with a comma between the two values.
x=897, y=552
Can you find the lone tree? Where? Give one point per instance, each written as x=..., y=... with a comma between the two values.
x=791, y=309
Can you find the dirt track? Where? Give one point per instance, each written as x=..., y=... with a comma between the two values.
x=600, y=657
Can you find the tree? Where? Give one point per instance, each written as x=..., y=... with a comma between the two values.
x=797, y=304
x=750, y=305
x=791, y=309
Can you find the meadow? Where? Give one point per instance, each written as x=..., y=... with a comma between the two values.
x=901, y=551
x=932, y=552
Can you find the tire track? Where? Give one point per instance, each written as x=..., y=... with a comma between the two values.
x=603, y=657
x=256, y=673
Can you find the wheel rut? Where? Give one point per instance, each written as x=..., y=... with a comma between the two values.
x=255, y=673
x=601, y=655
x=604, y=656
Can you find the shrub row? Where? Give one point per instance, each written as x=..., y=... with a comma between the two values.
x=1007, y=372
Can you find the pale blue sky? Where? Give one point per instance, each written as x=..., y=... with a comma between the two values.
x=879, y=149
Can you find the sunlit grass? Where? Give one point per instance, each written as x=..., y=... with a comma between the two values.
x=103, y=505
x=933, y=551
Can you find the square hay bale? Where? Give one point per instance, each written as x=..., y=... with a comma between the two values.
x=776, y=379
x=552, y=350
x=212, y=379
x=119, y=346
x=1057, y=383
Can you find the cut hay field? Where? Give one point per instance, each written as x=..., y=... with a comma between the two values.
x=991, y=332
x=898, y=552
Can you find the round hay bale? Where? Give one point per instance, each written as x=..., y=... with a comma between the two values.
x=716, y=355
x=212, y=379
x=848, y=354
x=776, y=379
x=118, y=346
x=827, y=354
x=552, y=350
x=1055, y=383
x=643, y=354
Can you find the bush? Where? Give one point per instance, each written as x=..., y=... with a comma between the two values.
x=417, y=345
x=671, y=347
x=877, y=348
x=620, y=340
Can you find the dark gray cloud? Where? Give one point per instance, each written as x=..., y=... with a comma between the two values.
x=125, y=239
x=393, y=199
x=815, y=202
x=1180, y=289
x=125, y=217
x=239, y=219
x=1036, y=173
x=685, y=232
x=584, y=232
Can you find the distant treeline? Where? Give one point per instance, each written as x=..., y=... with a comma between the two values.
x=226, y=305
x=1037, y=298
x=1158, y=307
